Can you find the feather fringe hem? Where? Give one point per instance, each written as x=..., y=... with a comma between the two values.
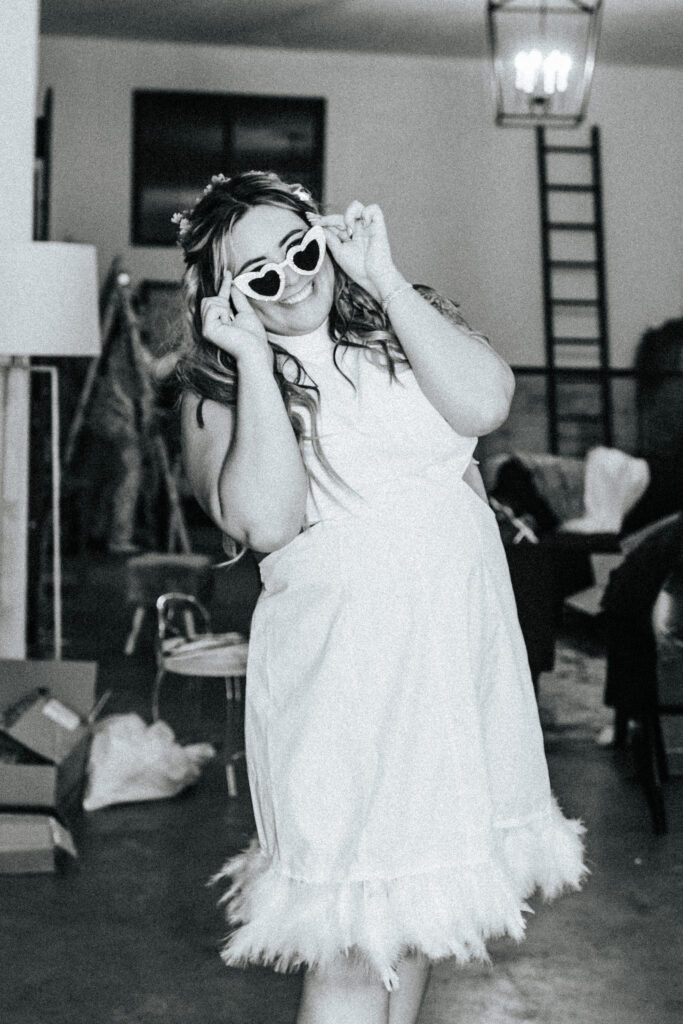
x=451, y=912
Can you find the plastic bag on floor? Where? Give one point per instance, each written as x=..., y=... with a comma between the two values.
x=130, y=761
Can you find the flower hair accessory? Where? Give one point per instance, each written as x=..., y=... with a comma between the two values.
x=183, y=223
x=301, y=193
x=216, y=179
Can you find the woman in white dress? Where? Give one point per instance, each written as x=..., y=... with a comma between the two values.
x=396, y=764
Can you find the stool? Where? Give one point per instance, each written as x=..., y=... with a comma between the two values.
x=155, y=573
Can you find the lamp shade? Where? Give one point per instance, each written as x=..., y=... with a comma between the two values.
x=543, y=55
x=49, y=300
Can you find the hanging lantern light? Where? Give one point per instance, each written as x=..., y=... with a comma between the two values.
x=543, y=54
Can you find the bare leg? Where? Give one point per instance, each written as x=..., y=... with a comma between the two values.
x=405, y=1002
x=124, y=500
x=343, y=994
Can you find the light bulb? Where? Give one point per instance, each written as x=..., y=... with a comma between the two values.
x=527, y=65
x=556, y=68
x=531, y=67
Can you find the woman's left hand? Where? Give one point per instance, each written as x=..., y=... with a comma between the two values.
x=358, y=242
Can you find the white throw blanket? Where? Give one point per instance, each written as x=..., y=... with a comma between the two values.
x=613, y=483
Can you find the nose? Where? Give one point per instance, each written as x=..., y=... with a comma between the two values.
x=292, y=279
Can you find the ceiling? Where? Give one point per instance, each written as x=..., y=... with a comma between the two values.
x=633, y=32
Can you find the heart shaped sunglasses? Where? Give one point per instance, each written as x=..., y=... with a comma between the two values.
x=268, y=282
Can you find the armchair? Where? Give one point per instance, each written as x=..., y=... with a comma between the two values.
x=643, y=622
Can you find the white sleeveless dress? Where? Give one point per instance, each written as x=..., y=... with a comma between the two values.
x=394, y=751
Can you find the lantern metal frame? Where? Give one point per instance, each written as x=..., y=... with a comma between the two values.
x=539, y=110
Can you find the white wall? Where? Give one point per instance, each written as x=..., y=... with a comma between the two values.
x=415, y=135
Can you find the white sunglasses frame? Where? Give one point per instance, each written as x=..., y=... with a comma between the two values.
x=243, y=281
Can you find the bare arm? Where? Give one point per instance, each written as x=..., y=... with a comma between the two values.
x=244, y=465
x=462, y=376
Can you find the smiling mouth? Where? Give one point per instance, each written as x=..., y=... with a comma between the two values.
x=299, y=296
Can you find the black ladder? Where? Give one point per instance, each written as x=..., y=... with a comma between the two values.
x=579, y=397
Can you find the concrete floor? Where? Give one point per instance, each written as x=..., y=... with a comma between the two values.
x=129, y=933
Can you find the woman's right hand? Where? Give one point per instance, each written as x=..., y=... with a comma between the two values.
x=240, y=333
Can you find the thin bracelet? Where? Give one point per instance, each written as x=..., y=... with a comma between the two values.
x=397, y=291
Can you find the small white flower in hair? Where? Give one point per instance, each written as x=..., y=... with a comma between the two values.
x=183, y=223
x=301, y=193
x=216, y=179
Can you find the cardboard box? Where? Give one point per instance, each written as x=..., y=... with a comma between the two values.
x=54, y=725
x=32, y=843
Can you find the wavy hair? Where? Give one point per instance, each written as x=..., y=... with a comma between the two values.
x=355, y=319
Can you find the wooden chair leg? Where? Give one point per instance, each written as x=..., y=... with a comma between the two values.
x=234, y=693
x=649, y=771
x=660, y=749
x=231, y=779
x=230, y=774
x=155, y=693
x=136, y=626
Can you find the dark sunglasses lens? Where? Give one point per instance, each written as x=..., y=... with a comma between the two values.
x=267, y=285
x=307, y=258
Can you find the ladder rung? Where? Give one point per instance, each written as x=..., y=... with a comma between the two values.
x=574, y=264
x=571, y=225
x=568, y=374
x=568, y=149
x=578, y=417
x=570, y=188
x=577, y=341
x=575, y=302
